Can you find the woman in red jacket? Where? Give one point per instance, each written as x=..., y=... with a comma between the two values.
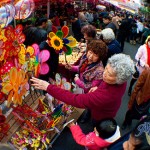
x=105, y=101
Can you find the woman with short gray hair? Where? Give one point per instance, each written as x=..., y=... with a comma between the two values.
x=108, y=36
x=123, y=66
x=103, y=101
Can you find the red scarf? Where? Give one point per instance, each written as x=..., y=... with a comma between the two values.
x=83, y=66
x=148, y=55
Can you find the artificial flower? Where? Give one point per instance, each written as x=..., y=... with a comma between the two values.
x=15, y=38
x=56, y=43
x=59, y=41
x=15, y=87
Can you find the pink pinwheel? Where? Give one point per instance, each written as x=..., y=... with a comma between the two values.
x=41, y=67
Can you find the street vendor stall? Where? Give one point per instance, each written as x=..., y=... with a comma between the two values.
x=28, y=119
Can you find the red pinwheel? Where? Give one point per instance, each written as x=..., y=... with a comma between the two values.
x=15, y=38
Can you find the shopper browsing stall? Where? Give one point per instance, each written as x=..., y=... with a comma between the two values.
x=105, y=101
x=90, y=68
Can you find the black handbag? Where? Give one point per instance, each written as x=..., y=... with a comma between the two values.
x=142, y=108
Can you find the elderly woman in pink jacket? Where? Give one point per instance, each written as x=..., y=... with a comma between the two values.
x=105, y=101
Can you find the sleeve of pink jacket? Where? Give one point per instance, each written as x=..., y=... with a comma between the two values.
x=75, y=68
x=82, y=85
x=85, y=140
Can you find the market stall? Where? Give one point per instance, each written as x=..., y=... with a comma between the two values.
x=28, y=119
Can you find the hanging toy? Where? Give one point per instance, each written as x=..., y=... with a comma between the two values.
x=41, y=67
x=15, y=87
x=60, y=42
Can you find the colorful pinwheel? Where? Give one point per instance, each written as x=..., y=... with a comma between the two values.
x=41, y=67
x=60, y=42
x=16, y=86
x=15, y=38
x=25, y=54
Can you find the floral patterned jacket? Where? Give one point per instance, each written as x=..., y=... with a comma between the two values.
x=92, y=76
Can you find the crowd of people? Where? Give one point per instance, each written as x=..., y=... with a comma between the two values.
x=103, y=72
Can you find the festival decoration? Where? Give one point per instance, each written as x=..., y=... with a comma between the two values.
x=60, y=42
x=7, y=13
x=24, y=8
x=6, y=67
x=15, y=38
x=25, y=54
x=41, y=67
x=25, y=138
x=15, y=87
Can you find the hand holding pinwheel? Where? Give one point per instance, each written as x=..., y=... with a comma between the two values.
x=39, y=84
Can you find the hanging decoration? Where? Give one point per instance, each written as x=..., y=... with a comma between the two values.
x=24, y=8
x=7, y=13
x=41, y=67
x=60, y=42
x=15, y=38
x=16, y=86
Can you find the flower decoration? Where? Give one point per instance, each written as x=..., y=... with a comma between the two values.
x=25, y=54
x=41, y=67
x=7, y=13
x=15, y=87
x=15, y=38
x=2, y=50
x=56, y=43
x=24, y=8
x=60, y=42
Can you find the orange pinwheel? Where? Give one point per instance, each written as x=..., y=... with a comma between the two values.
x=15, y=88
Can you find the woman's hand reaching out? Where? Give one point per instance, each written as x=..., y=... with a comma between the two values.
x=39, y=84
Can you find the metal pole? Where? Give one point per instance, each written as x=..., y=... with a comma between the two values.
x=48, y=9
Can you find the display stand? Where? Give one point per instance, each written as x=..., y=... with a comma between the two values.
x=32, y=100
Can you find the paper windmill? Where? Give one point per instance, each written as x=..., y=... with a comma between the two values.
x=15, y=87
x=41, y=67
x=7, y=13
x=15, y=38
x=25, y=54
x=24, y=8
x=60, y=42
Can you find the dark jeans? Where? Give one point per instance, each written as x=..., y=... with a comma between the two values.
x=121, y=40
x=134, y=114
x=133, y=36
